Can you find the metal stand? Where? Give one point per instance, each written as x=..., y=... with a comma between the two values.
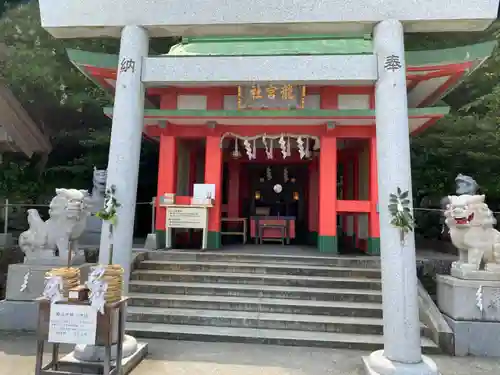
x=104, y=337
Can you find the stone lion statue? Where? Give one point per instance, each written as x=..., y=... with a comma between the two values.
x=99, y=178
x=471, y=230
x=68, y=212
x=463, y=185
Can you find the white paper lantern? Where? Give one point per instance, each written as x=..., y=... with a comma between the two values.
x=278, y=188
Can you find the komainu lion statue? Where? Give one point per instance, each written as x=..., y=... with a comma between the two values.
x=68, y=212
x=471, y=230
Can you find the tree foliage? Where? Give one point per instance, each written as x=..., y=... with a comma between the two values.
x=60, y=97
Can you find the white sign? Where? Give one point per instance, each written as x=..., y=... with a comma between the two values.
x=186, y=217
x=72, y=324
x=204, y=191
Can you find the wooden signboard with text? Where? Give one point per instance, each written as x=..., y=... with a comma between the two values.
x=271, y=96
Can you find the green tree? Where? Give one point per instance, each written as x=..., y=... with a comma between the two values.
x=58, y=96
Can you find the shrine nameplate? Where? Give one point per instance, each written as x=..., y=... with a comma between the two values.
x=271, y=96
x=72, y=324
x=186, y=217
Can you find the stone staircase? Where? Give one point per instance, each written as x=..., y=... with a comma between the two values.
x=318, y=301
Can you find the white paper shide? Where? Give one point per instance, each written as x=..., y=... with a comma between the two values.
x=53, y=290
x=98, y=288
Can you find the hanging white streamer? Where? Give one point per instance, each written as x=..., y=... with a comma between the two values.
x=26, y=278
x=308, y=151
x=254, y=155
x=479, y=298
x=98, y=287
x=269, y=153
x=269, y=174
x=300, y=146
x=248, y=149
x=288, y=148
x=283, y=147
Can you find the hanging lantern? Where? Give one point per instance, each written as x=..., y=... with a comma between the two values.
x=236, y=152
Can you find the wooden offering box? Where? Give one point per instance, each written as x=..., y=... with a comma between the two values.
x=103, y=331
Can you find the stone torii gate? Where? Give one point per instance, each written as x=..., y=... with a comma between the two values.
x=137, y=21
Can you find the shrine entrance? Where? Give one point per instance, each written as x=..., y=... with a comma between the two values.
x=273, y=193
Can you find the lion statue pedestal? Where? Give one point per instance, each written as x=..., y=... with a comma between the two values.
x=46, y=245
x=469, y=298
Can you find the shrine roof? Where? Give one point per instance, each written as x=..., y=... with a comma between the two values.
x=430, y=74
x=18, y=131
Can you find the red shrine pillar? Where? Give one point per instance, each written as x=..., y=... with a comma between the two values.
x=373, y=216
x=233, y=201
x=355, y=196
x=313, y=200
x=346, y=185
x=327, y=228
x=167, y=181
x=213, y=175
x=193, y=154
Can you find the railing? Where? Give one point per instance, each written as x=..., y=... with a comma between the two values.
x=10, y=211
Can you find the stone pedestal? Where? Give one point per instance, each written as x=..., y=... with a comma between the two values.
x=92, y=234
x=19, y=311
x=151, y=243
x=472, y=309
x=6, y=240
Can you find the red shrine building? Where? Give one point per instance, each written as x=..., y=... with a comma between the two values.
x=301, y=156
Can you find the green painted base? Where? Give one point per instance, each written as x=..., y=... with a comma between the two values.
x=373, y=246
x=312, y=238
x=213, y=240
x=328, y=244
x=160, y=239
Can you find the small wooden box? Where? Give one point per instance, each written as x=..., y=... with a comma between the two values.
x=79, y=294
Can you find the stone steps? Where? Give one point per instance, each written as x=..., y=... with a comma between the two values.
x=262, y=268
x=217, y=256
x=261, y=305
x=333, y=302
x=257, y=279
x=255, y=291
x=265, y=336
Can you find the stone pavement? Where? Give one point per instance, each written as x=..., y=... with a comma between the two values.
x=194, y=358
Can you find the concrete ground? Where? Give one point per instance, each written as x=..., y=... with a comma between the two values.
x=194, y=358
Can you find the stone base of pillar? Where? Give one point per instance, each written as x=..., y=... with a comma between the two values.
x=71, y=364
x=151, y=242
x=377, y=364
x=95, y=353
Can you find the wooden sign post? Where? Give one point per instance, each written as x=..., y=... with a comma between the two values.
x=186, y=216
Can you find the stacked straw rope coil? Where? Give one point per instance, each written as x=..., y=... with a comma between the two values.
x=113, y=276
x=70, y=277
